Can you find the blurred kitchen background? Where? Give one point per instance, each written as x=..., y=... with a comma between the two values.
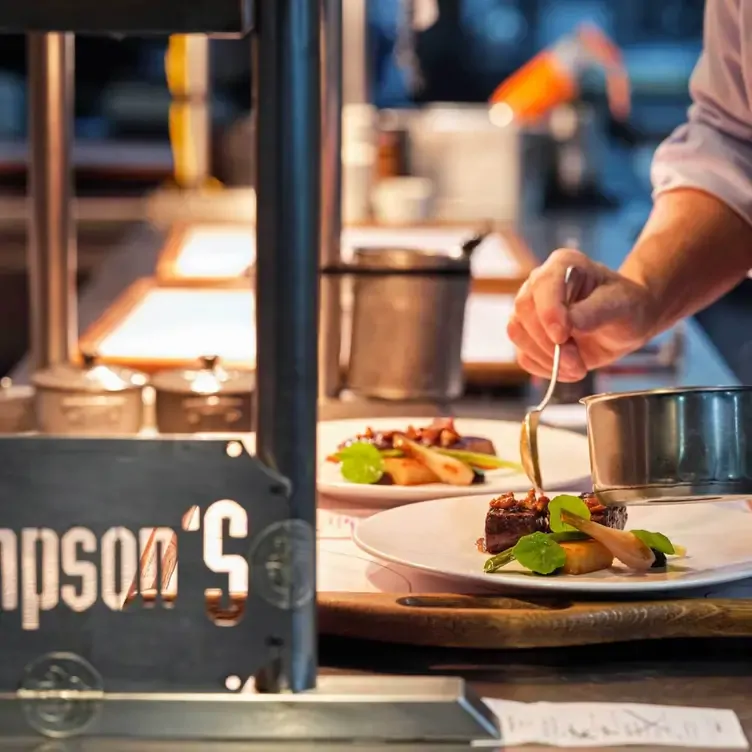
x=123, y=150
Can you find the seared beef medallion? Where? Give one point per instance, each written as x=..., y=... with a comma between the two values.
x=509, y=519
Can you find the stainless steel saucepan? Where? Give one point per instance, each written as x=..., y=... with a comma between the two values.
x=206, y=399
x=94, y=399
x=671, y=445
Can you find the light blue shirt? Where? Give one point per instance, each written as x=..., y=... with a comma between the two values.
x=712, y=151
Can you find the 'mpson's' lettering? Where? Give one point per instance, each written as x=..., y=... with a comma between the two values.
x=45, y=555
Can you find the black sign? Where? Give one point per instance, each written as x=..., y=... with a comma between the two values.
x=231, y=17
x=163, y=564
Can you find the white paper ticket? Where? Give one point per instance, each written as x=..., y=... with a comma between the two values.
x=584, y=724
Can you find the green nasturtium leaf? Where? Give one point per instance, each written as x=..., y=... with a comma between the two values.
x=564, y=502
x=361, y=463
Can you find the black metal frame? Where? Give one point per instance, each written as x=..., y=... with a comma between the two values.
x=140, y=17
x=288, y=201
x=287, y=45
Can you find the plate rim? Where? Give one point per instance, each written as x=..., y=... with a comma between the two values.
x=510, y=582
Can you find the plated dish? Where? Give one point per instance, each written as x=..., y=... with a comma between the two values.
x=393, y=461
x=568, y=535
x=418, y=456
x=710, y=544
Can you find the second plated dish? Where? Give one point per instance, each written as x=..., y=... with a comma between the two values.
x=563, y=453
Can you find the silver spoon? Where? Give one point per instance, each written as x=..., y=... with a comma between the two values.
x=529, y=433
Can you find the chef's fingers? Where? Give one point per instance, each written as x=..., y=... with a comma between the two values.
x=607, y=303
x=532, y=366
x=526, y=334
x=543, y=370
x=518, y=330
x=526, y=315
x=572, y=366
x=549, y=293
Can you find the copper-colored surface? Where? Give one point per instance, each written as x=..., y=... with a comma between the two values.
x=167, y=272
x=477, y=374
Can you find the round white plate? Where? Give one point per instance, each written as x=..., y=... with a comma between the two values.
x=440, y=537
x=563, y=457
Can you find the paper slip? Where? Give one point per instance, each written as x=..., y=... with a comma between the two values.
x=602, y=724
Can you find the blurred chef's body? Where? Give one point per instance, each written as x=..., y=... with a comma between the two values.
x=697, y=243
x=424, y=51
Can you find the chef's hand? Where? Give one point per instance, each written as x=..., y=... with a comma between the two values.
x=611, y=317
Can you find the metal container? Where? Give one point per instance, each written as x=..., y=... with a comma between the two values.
x=472, y=154
x=671, y=445
x=16, y=407
x=392, y=145
x=207, y=399
x=91, y=400
x=408, y=321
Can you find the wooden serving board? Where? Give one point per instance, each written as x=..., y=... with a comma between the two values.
x=477, y=621
x=492, y=622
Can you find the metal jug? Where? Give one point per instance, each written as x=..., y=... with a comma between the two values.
x=408, y=321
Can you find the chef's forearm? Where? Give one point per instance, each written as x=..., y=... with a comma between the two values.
x=693, y=250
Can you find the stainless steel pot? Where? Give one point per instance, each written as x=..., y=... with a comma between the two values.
x=91, y=400
x=407, y=325
x=207, y=399
x=671, y=445
x=16, y=407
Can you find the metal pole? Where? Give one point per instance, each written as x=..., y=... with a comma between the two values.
x=52, y=242
x=288, y=193
x=355, y=44
x=330, y=324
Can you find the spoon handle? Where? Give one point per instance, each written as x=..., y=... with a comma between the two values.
x=552, y=381
x=570, y=284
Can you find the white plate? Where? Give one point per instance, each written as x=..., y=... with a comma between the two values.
x=439, y=536
x=563, y=457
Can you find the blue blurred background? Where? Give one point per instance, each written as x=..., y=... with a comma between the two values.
x=122, y=98
x=480, y=42
x=121, y=87
x=121, y=92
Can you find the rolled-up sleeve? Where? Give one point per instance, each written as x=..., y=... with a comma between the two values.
x=712, y=152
